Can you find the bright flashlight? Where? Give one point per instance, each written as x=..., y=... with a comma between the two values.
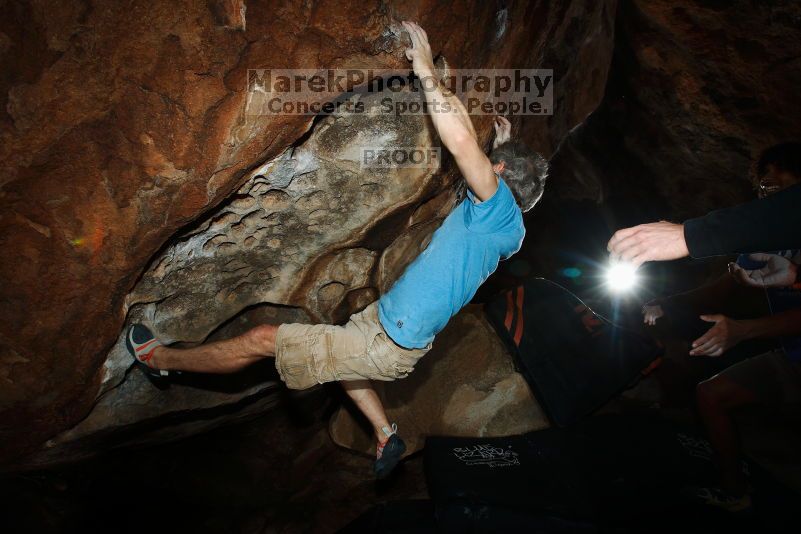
x=621, y=277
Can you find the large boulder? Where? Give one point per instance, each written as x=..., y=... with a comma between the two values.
x=126, y=147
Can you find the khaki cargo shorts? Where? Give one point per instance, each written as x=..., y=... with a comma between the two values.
x=309, y=354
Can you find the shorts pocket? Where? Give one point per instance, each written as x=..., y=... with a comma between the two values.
x=402, y=369
x=294, y=365
x=404, y=359
x=384, y=362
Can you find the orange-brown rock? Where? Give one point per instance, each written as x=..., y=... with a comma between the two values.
x=123, y=125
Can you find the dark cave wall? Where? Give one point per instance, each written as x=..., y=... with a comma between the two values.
x=696, y=91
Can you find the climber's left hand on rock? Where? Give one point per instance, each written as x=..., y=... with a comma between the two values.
x=420, y=52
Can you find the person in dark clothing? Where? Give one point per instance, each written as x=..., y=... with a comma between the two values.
x=769, y=223
x=771, y=379
x=764, y=224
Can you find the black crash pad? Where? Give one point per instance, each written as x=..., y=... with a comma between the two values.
x=607, y=472
x=573, y=359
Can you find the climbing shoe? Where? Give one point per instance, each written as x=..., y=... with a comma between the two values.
x=141, y=344
x=388, y=452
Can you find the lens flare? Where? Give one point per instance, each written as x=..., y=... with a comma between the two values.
x=621, y=277
x=571, y=272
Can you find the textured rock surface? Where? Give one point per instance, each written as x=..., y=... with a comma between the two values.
x=465, y=386
x=124, y=142
x=296, y=233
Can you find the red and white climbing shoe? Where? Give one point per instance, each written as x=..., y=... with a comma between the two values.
x=141, y=344
x=388, y=452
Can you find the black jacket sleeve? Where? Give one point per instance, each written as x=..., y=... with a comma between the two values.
x=771, y=223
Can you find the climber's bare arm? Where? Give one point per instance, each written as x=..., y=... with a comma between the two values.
x=450, y=119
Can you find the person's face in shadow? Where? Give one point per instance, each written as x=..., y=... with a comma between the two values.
x=774, y=180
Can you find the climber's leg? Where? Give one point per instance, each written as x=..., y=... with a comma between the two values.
x=389, y=446
x=226, y=356
x=365, y=398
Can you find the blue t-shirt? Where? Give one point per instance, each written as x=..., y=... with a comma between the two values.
x=463, y=252
x=781, y=299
